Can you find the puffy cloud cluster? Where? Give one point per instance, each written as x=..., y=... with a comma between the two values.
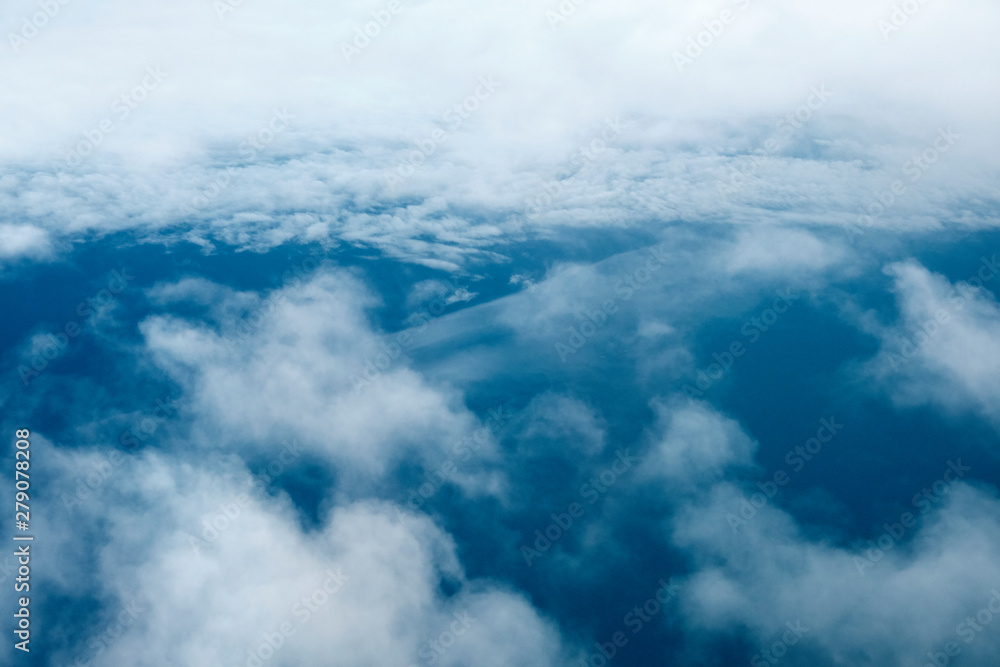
x=919, y=583
x=206, y=569
x=303, y=363
x=907, y=592
x=190, y=567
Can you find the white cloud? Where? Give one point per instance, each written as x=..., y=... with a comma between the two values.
x=304, y=363
x=771, y=250
x=24, y=241
x=912, y=600
x=325, y=174
x=693, y=444
x=889, y=597
x=945, y=347
x=565, y=420
x=364, y=586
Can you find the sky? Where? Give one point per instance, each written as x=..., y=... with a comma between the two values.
x=559, y=334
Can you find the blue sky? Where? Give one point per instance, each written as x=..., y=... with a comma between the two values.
x=556, y=335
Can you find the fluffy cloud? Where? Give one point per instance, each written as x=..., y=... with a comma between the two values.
x=768, y=249
x=906, y=589
x=202, y=571
x=555, y=139
x=303, y=363
x=908, y=592
x=23, y=241
x=945, y=347
x=693, y=444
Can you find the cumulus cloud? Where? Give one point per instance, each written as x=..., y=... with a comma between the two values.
x=891, y=601
x=944, y=349
x=905, y=589
x=693, y=444
x=304, y=363
x=201, y=571
x=24, y=241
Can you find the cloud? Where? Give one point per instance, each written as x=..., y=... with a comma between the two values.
x=29, y=241
x=550, y=145
x=567, y=421
x=913, y=598
x=693, y=444
x=197, y=159
x=201, y=572
x=303, y=362
x=944, y=349
x=902, y=589
x=770, y=249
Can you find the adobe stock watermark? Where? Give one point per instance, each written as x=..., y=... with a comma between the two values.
x=750, y=165
x=99, y=643
x=33, y=25
x=122, y=107
x=591, y=491
x=914, y=168
x=967, y=631
x=778, y=649
x=265, y=135
x=635, y=620
x=106, y=466
x=58, y=342
x=587, y=153
x=462, y=452
x=372, y=29
x=432, y=650
x=900, y=16
x=565, y=10
x=145, y=428
x=225, y=7
x=218, y=522
x=248, y=149
x=102, y=471
x=925, y=500
x=797, y=458
x=392, y=347
x=455, y=117
x=714, y=28
x=303, y=610
x=918, y=338
x=752, y=329
x=255, y=318
x=591, y=321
